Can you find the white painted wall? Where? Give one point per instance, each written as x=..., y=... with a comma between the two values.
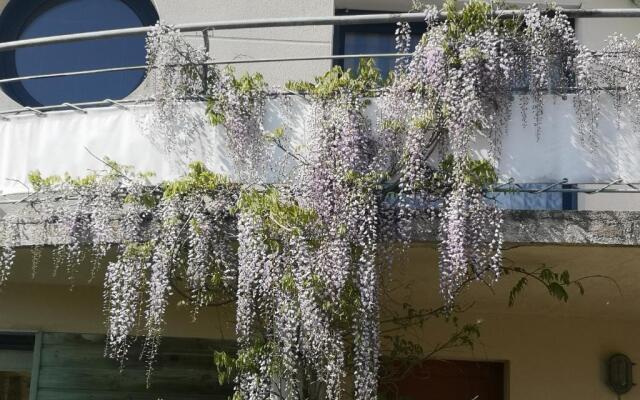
x=593, y=32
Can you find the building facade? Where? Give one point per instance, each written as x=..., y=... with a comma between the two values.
x=52, y=329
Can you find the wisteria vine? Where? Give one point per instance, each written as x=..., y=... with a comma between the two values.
x=302, y=259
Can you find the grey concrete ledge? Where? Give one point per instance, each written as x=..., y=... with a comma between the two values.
x=602, y=228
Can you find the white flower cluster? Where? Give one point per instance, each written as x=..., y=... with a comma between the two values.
x=175, y=73
x=8, y=235
x=610, y=72
x=548, y=54
x=181, y=74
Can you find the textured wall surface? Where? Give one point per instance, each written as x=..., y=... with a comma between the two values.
x=621, y=228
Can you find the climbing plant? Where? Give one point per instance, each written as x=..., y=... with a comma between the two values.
x=302, y=256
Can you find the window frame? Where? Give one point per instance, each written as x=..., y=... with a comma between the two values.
x=29, y=343
x=340, y=31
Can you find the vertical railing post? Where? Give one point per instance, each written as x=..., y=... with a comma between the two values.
x=205, y=67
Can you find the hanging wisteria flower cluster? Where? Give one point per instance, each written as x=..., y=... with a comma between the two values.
x=175, y=75
x=302, y=258
x=181, y=74
x=342, y=183
x=610, y=72
x=189, y=247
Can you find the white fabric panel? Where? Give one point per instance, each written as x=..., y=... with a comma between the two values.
x=56, y=144
x=559, y=152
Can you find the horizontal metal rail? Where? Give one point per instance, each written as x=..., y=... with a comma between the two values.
x=293, y=22
x=219, y=25
x=73, y=73
x=68, y=106
x=223, y=62
x=255, y=23
x=245, y=61
x=42, y=110
x=568, y=190
x=514, y=192
x=565, y=186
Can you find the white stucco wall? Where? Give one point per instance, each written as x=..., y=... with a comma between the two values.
x=593, y=32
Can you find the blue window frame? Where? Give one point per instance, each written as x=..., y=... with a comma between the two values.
x=25, y=19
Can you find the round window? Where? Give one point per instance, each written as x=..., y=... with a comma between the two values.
x=26, y=19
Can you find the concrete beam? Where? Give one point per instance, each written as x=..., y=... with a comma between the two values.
x=599, y=228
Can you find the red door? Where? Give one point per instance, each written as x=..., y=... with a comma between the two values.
x=446, y=380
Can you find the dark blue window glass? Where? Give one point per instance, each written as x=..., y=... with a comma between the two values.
x=370, y=43
x=364, y=42
x=47, y=18
x=535, y=201
x=369, y=39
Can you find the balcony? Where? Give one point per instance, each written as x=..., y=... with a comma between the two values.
x=556, y=162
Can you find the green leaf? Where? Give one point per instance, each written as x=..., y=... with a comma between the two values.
x=546, y=275
x=339, y=81
x=565, y=278
x=558, y=291
x=275, y=134
x=516, y=290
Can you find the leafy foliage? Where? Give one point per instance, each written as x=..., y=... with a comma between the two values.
x=365, y=82
x=199, y=179
x=556, y=283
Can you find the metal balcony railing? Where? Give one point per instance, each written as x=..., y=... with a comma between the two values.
x=206, y=27
x=293, y=22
